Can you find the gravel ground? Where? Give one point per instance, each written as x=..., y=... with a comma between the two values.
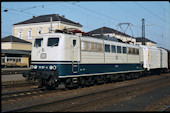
x=131, y=102
x=150, y=101
x=12, y=77
x=21, y=102
x=159, y=105
x=14, y=89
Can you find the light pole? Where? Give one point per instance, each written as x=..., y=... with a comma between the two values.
x=143, y=31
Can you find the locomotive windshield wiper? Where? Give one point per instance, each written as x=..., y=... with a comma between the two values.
x=56, y=44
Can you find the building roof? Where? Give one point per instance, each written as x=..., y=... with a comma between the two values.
x=139, y=39
x=14, y=39
x=46, y=18
x=22, y=52
x=104, y=30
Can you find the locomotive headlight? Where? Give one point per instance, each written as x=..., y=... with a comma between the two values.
x=35, y=67
x=51, y=67
x=54, y=67
x=32, y=67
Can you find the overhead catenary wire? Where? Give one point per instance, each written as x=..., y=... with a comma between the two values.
x=151, y=12
x=96, y=12
x=99, y=13
x=18, y=11
x=132, y=13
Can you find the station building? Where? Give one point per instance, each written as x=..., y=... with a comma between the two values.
x=113, y=33
x=147, y=42
x=15, y=52
x=27, y=29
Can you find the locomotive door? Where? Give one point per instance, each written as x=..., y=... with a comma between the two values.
x=75, y=45
x=161, y=58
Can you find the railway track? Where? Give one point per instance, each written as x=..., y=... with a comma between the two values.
x=18, y=84
x=82, y=101
x=166, y=109
x=18, y=94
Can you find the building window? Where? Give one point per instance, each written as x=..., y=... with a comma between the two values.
x=20, y=34
x=29, y=34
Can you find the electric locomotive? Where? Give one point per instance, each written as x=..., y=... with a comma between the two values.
x=68, y=60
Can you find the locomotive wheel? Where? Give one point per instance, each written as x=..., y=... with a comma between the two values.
x=109, y=79
x=114, y=77
x=82, y=82
x=100, y=79
x=128, y=76
x=88, y=81
x=136, y=75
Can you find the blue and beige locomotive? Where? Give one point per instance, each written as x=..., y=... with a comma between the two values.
x=69, y=60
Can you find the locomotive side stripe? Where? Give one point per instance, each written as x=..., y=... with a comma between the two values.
x=75, y=62
x=54, y=62
x=98, y=73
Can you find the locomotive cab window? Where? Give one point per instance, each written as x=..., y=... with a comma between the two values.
x=74, y=43
x=53, y=42
x=38, y=42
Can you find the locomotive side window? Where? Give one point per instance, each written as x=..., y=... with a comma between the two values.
x=124, y=50
x=133, y=51
x=94, y=46
x=118, y=49
x=107, y=48
x=89, y=46
x=137, y=51
x=100, y=47
x=85, y=46
x=113, y=48
x=53, y=42
x=38, y=42
x=130, y=50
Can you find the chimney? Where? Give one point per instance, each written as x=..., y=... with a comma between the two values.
x=63, y=16
x=33, y=17
x=57, y=15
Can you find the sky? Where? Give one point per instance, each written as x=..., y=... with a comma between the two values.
x=95, y=14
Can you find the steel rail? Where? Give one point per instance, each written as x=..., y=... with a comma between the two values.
x=21, y=93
